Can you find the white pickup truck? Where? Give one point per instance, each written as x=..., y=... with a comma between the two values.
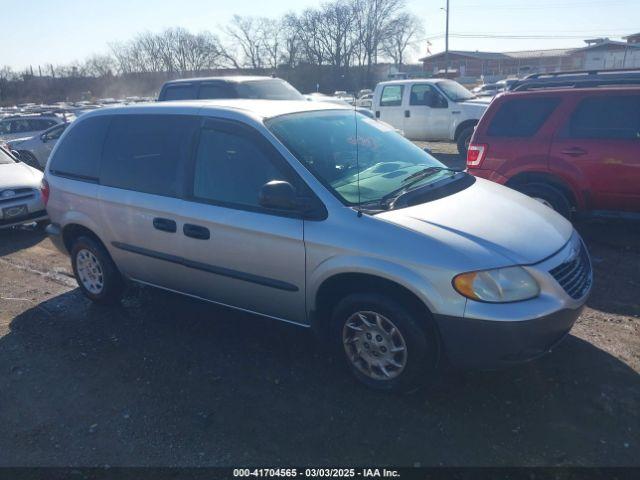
x=430, y=109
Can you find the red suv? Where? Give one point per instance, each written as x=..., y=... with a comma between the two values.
x=574, y=147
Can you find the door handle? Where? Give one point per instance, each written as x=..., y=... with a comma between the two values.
x=574, y=152
x=407, y=114
x=165, y=225
x=196, y=231
x=377, y=113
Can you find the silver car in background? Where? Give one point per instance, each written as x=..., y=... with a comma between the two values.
x=35, y=150
x=21, y=200
x=309, y=213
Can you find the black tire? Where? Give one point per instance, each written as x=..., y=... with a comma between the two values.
x=419, y=335
x=111, y=280
x=463, y=141
x=29, y=159
x=550, y=195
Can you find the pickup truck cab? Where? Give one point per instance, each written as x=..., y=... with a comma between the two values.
x=430, y=109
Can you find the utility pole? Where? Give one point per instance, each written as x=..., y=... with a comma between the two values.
x=446, y=43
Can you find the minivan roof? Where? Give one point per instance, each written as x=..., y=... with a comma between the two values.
x=253, y=108
x=229, y=79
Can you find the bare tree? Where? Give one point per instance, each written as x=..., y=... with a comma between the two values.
x=99, y=66
x=401, y=35
x=244, y=32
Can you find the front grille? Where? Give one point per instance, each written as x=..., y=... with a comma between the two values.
x=575, y=275
x=18, y=194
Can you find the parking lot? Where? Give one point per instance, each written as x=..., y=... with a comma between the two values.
x=166, y=380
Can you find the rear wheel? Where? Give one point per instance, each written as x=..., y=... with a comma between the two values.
x=95, y=271
x=548, y=195
x=385, y=345
x=464, y=139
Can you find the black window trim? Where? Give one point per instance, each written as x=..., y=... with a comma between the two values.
x=318, y=212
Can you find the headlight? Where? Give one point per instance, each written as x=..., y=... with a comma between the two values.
x=511, y=284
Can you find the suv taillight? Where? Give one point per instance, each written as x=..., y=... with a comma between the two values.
x=44, y=190
x=476, y=154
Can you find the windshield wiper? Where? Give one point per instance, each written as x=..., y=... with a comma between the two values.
x=412, y=179
x=427, y=172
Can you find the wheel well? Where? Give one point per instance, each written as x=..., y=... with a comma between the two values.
x=462, y=126
x=534, y=177
x=337, y=287
x=73, y=231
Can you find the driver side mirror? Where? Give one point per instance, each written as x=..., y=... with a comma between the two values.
x=44, y=138
x=279, y=195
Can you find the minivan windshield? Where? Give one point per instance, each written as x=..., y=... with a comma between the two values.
x=342, y=148
x=455, y=91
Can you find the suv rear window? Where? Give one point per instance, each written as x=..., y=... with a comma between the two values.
x=78, y=154
x=521, y=117
x=614, y=117
x=148, y=153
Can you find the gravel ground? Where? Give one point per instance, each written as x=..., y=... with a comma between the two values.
x=165, y=380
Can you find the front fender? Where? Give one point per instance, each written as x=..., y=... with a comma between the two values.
x=403, y=276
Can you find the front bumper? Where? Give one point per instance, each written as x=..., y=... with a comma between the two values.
x=30, y=218
x=493, y=335
x=486, y=344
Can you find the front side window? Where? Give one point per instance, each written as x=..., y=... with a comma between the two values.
x=231, y=168
x=521, y=117
x=55, y=133
x=148, y=153
x=426, y=95
x=613, y=117
x=392, y=96
x=343, y=156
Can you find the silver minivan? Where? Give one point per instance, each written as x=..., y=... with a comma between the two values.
x=318, y=216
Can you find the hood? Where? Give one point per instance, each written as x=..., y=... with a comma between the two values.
x=17, y=141
x=19, y=175
x=487, y=226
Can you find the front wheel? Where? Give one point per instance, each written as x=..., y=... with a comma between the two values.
x=95, y=272
x=385, y=345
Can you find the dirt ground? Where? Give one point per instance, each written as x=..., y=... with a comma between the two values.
x=164, y=380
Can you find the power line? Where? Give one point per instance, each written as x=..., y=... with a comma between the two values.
x=538, y=6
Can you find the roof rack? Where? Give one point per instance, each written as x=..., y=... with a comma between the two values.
x=578, y=78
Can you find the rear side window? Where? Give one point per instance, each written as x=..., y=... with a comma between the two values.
x=392, y=96
x=148, y=153
x=615, y=117
x=180, y=92
x=521, y=117
x=78, y=154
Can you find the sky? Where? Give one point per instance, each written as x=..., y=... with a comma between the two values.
x=39, y=32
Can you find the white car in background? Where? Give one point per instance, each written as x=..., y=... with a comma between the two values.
x=35, y=151
x=21, y=126
x=21, y=200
